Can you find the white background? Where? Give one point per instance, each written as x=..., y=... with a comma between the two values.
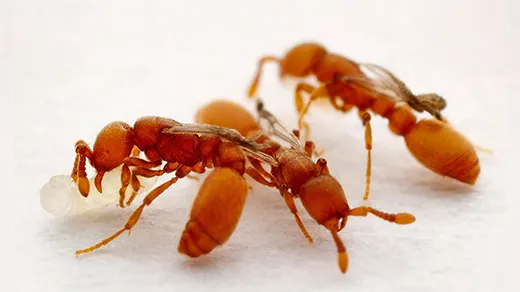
x=74, y=66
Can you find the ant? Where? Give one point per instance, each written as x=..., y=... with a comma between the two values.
x=219, y=203
x=297, y=176
x=347, y=84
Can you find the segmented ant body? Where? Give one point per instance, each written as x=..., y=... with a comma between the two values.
x=348, y=84
x=220, y=201
x=298, y=176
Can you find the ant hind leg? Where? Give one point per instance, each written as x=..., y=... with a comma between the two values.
x=134, y=218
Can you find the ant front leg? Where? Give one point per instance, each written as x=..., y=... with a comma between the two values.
x=289, y=201
x=79, y=173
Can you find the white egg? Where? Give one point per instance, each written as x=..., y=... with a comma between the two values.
x=61, y=197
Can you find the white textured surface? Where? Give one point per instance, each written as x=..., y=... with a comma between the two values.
x=77, y=65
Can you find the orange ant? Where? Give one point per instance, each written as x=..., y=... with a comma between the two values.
x=433, y=142
x=297, y=176
x=218, y=205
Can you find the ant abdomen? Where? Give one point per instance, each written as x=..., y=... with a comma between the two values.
x=215, y=213
x=442, y=149
x=227, y=114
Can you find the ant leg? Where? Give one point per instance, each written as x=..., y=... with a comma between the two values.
x=258, y=166
x=183, y=171
x=289, y=200
x=368, y=146
x=399, y=218
x=321, y=166
x=83, y=152
x=345, y=107
x=298, y=99
x=261, y=63
x=361, y=114
x=296, y=132
x=136, y=185
x=134, y=218
x=257, y=176
x=321, y=91
x=310, y=149
x=144, y=172
x=129, y=177
x=198, y=168
x=310, y=146
x=139, y=162
x=136, y=151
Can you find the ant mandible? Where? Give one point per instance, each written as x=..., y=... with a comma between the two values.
x=296, y=175
x=347, y=84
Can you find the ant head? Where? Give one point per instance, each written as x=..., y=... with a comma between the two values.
x=324, y=199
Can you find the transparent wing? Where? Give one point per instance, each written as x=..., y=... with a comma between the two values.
x=381, y=81
x=431, y=102
x=276, y=128
x=249, y=146
x=384, y=83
